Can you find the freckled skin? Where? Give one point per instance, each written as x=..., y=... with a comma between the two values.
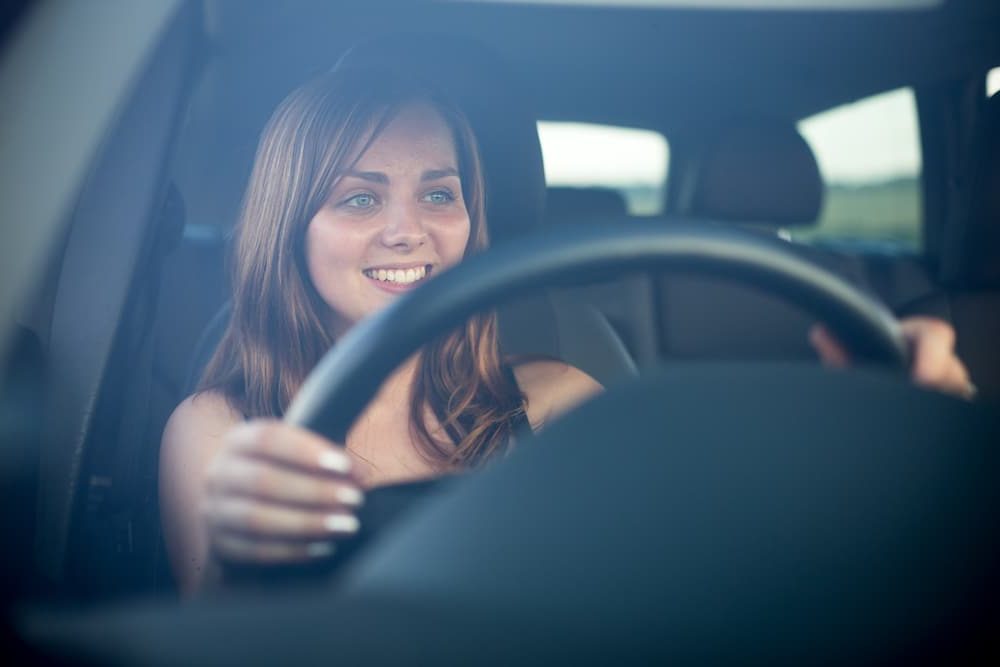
x=400, y=206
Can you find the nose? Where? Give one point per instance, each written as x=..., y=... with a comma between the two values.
x=403, y=230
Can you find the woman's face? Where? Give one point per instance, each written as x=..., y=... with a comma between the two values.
x=392, y=221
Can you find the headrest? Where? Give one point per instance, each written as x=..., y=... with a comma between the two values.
x=566, y=204
x=972, y=253
x=759, y=172
x=486, y=90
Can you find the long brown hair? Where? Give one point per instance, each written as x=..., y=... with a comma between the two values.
x=279, y=325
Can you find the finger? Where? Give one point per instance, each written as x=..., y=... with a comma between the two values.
x=932, y=343
x=288, y=445
x=239, y=549
x=830, y=351
x=944, y=373
x=276, y=523
x=235, y=475
x=928, y=326
x=935, y=364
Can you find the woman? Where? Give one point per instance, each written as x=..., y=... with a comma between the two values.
x=364, y=186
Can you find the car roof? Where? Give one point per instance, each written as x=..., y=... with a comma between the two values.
x=647, y=67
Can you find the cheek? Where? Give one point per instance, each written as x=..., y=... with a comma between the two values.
x=329, y=250
x=317, y=248
x=453, y=239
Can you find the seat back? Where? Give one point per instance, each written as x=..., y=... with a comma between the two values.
x=755, y=171
x=566, y=205
x=624, y=305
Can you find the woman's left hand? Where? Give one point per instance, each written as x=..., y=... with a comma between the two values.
x=932, y=343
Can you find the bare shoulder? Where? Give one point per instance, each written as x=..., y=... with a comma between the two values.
x=552, y=388
x=194, y=433
x=207, y=414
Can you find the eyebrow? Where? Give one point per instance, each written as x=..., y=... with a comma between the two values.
x=434, y=174
x=379, y=177
x=373, y=176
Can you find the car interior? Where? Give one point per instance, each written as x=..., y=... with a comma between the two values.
x=134, y=299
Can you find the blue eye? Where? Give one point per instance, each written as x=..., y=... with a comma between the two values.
x=439, y=197
x=363, y=200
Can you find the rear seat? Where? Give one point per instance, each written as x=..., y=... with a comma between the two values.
x=567, y=205
x=625, y=304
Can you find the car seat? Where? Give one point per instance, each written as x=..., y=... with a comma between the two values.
x=625, y=304
x=762, y=175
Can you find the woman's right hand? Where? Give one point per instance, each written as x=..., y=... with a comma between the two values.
x=278, y=494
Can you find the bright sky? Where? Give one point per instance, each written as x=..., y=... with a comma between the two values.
x=875, y=139
x=580, y=154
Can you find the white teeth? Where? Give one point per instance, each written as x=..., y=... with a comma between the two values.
x=399, y=276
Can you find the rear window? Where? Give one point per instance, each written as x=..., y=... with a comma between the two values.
x=870, y=161
x=631, y=161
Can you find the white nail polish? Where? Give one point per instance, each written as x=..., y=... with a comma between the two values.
x=319, y=549
x=335, y=461
x=348, y=495
x=342, y=523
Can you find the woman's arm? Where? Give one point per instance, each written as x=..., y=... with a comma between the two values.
x=553, y=388
x=192, y=438
x=259, y=492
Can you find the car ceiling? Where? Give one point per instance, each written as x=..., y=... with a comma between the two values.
x=660, y=68
x=677, y=71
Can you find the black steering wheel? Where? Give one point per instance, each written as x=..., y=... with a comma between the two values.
x=719, y=537
x=350, y=374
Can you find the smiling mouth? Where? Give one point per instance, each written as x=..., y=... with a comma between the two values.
x=399, y=276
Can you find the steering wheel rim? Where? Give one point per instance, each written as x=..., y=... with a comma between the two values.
x=351, y=372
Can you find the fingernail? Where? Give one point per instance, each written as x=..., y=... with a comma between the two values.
x=342, y=523
x=335, y=461
x=319, y=549
x=348, y=495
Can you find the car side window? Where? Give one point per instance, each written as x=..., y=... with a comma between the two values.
x=630, y=161
x=870, y=160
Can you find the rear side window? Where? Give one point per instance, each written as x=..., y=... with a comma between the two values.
x=870, y=161
x=631, y=161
